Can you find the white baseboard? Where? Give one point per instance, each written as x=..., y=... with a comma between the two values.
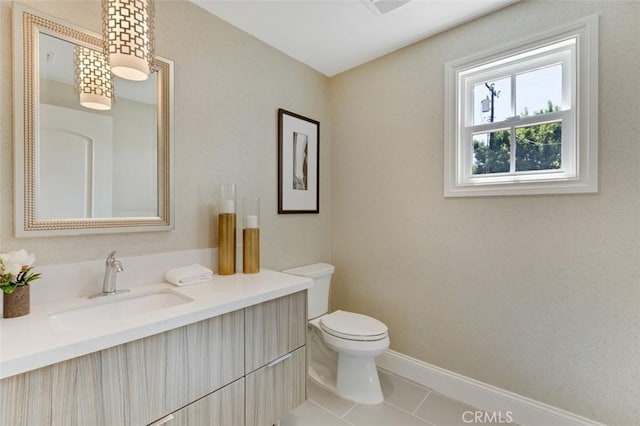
x=524, y=411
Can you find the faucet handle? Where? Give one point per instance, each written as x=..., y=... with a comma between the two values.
x=111, y=257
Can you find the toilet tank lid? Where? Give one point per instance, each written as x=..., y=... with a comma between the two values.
x=315, y=270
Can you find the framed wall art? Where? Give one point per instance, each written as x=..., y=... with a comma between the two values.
x=298, y=163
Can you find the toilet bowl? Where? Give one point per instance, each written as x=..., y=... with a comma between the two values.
x=342, y=345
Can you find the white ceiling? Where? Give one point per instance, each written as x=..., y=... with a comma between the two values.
x=332, y=36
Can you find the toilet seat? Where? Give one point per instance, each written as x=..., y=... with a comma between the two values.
x=352, y=326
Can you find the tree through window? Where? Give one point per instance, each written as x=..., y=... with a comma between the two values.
x=518, y=117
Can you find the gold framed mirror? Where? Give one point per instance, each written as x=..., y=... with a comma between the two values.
x=79, y=170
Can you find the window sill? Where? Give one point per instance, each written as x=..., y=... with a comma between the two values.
x=565, y=186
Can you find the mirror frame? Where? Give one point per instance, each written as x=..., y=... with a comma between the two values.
x=27, y=26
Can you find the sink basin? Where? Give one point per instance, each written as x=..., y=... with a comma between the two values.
x=110, y=308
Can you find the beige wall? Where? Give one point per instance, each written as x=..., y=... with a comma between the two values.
x=228, y=88
x=539, y=295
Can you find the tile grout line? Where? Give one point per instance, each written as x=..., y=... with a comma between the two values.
x=349, y=410
x=331, y=412
x=420, y=419
x=412, y=413
x=421, y=402
x=397, y=407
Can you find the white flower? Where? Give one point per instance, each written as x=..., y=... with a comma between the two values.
x=14, y=261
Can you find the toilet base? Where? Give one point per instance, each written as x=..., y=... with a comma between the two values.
x=357, y=380
x=343, y=367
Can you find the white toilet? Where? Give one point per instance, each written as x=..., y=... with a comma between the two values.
x=342, y=346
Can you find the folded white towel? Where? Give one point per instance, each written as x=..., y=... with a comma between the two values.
x=187, y=275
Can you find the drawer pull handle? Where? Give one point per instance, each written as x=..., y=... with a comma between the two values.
x=162, y=421
x=279, y=360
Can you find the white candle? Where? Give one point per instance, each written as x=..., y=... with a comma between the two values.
x=228, y=206
x=252, y=221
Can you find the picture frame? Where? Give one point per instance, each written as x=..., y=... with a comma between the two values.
x=298, y=163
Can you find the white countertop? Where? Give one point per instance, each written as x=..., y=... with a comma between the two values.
x=33, y=341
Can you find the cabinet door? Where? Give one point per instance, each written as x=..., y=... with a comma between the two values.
x=274, y=328
x=224, y=407
x=276, y=389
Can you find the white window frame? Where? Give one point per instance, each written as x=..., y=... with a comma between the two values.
x=575, y=46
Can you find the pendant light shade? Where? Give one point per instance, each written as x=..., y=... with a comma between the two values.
x=92, y=78
x=128, y=35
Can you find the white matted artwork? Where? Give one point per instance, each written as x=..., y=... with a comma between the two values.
x=298, y=163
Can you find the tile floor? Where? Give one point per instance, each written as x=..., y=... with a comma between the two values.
x=405, y=404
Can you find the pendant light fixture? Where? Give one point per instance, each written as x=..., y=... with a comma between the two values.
x=92, y=78
x=128, y=34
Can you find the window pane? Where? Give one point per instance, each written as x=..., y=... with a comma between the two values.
x=539, y=147
x=539, y=91
x=483, y=110
x=491, y=152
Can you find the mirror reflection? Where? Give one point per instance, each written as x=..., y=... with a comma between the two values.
x=86, y=161
x=93, y=163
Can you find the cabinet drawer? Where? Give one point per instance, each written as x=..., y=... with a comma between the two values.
x=146, y=379
x=224, y=407
x=274, y=328
x=276, y=389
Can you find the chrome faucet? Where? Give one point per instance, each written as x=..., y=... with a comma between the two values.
x=112, y=267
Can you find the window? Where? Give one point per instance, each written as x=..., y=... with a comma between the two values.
x=522, y=119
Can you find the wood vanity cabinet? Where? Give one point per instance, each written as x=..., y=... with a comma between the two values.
x=244, y=367
x=223, y=407
x=135, y=383
x=275, y=358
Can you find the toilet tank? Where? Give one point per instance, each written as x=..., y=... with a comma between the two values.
x=318, y=296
